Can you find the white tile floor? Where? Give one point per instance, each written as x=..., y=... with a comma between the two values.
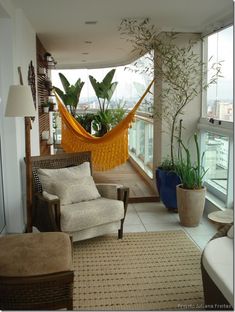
x=147, y=217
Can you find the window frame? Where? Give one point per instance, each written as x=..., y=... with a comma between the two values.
x=218, y=127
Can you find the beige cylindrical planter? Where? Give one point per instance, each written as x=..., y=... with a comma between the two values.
x=190, y=205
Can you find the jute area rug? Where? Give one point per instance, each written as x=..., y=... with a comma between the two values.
x=143, y=271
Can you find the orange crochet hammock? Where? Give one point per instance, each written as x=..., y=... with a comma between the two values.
x=108, y=151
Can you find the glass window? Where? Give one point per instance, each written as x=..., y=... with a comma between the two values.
x=219, y=97
x=216, y=160
x=2, y=213
x=216, y=124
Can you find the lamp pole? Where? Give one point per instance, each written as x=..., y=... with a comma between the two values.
x=28, y=164
x=28, y=174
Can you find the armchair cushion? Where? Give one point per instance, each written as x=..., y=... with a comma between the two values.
x=44, y=176
x=92, y=213
x=74, y=191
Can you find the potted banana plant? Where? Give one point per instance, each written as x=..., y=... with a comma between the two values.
x=190, y=192
x=104, y=91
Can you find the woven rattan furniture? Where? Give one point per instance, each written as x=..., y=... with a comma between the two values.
x=36, y=272
x=47, y=212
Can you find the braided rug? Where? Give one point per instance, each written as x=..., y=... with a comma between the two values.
x=143, y=271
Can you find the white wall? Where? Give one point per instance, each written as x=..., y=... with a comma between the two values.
x=191, y=113
x=18, y=48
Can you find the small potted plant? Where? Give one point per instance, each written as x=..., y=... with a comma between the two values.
x=45, y=106
x=191, y=192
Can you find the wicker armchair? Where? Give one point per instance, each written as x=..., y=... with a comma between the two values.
x=47, y=213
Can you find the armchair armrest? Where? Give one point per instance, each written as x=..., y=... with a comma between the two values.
x=47, y=213
x=123, y=194
x=114, y=191
x=108, y=190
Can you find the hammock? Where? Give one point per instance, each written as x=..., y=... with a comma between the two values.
x=108, y=151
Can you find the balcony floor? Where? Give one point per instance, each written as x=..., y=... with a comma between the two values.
x=145, y=216
x=148, y=217
x=140, y=190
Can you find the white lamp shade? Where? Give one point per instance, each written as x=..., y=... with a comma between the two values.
x=20, y=102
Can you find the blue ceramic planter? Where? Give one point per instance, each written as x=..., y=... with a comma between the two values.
x=166, y=184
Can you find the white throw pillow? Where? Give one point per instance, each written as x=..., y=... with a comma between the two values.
x=79, y=171
x=74, y=191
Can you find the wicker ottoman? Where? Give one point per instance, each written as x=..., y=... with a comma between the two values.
x=36, y=272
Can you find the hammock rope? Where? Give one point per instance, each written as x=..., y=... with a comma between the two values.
x=108, y=151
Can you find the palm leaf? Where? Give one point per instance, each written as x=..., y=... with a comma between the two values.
x=110, y=91
x=96, y=86
x=61, y=94
x=64, y=82
x=109, y=77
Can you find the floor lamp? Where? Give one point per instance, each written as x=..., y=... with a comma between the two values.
x=20, y=104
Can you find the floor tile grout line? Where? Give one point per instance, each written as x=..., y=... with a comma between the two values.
x=141, y=221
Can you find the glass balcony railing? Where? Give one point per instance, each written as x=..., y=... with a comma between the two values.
x=141, y=143
x=216, y=160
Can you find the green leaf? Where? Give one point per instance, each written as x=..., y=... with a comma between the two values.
x=109, y=77
x=64, y=82
x=96, y=86
x=110, y=91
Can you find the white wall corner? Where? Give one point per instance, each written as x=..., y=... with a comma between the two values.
x=19, y=49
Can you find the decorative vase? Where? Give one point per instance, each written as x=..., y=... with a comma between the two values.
x=190, y=205
x=166, y=185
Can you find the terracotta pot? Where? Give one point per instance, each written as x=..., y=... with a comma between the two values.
x=190, y=205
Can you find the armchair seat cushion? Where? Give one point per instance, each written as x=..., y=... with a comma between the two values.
x=83, y=215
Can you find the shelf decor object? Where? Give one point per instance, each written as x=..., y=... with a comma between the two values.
x=31, y=81
x=20, y=104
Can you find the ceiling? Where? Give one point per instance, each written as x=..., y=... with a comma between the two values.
x=61, y=27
